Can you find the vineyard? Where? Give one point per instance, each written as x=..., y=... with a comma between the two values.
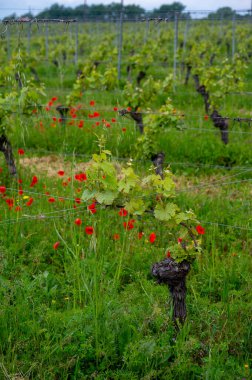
x=125, y=199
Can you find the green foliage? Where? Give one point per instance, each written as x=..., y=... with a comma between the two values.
x=141, y=195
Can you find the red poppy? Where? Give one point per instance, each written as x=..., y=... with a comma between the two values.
x=54, y=118
x=54, y=99
x=60, y=120
x=180, y=240
x=18, y=208
x=92, y=208
x=123, y=212
x=129, y=109
x=21, y=151
x=124, y=129
x=77, y=200
x=56, y=245
x=115, y=108
x=152, y=237
x=78, y=222
x=97, y=123
x=96, y=114
x=206, y=117
x=20, y=191
x=116, y=236
x=168, y=254
x=80, y=177
x=140, y=235
x=51, y=200
x=34, y=181
x=200, y=230
x=29, y=202
x=10, y=202
x=2, y=189
x=92, y=103
x=113, y=120
x=129, y=225
x=89, y=230
x=108, y=125
x=20, y=181
x=61, y=172
x=81, y=123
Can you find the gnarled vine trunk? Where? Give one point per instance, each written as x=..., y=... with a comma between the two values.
x=137, y=116
x=63, y=110
x=158, y=161
x=5, y=147
x=169, y=272
x=218, y=121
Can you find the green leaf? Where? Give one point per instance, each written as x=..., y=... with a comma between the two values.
x=165, y=213
x=106, y=197
x=87, y=194
x=135, y=206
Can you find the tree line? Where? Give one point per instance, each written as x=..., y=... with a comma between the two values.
x=112, y=11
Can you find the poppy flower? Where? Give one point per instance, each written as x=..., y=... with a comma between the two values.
x=92, y=103
x=54, y=99
x=21, y=151
x=78, y=222
x=56, y=245
x=124, y=129
x=168, y=254
x=96, y=114
x=61, y=172
x=2, y=189
x=77, y=200
x=10, y=202
x=92, y=208
x=180, y=240
x=108, y=125
x=129, y=109
x=34, y=181
x=140, y=235
x=20, y=191
x=123, y=212
x=206, y=117
x=89, y=230
x=29, y=203
x=113, y=120
x=115, y=108
x=18, y=208
x=80, y=177
x=129, y=225
x=116, y=236
x=51, y=200
x=200, y=230
x=152, y=237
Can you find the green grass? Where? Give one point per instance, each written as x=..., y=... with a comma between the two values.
x=90, y=309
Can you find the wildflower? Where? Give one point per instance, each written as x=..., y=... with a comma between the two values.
x=115, y=108
x=54, y=99
x=129, y=225
x=108, y=125
x=206, y=117
x=124, y=129
x=21, y=151
x=123, y=212
x=34, y=181
x=92, y=208
x=10, y=202
x=116, y=236
x=200, y=230
x=20, y=191
x=18, y=208
x=168, y=254
x=29, y=203
x=56, y=245
x=61, y=172
x=51, y=200
x=113, y=120
x=140, y=235
x=152, y=237
x=54, y=118
x=89, y=230
x=129, y=109
x=77, y=200
x=2, y=189
x=78, y=222
x=92, y=103
x=80, y=177
x=180, y=240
